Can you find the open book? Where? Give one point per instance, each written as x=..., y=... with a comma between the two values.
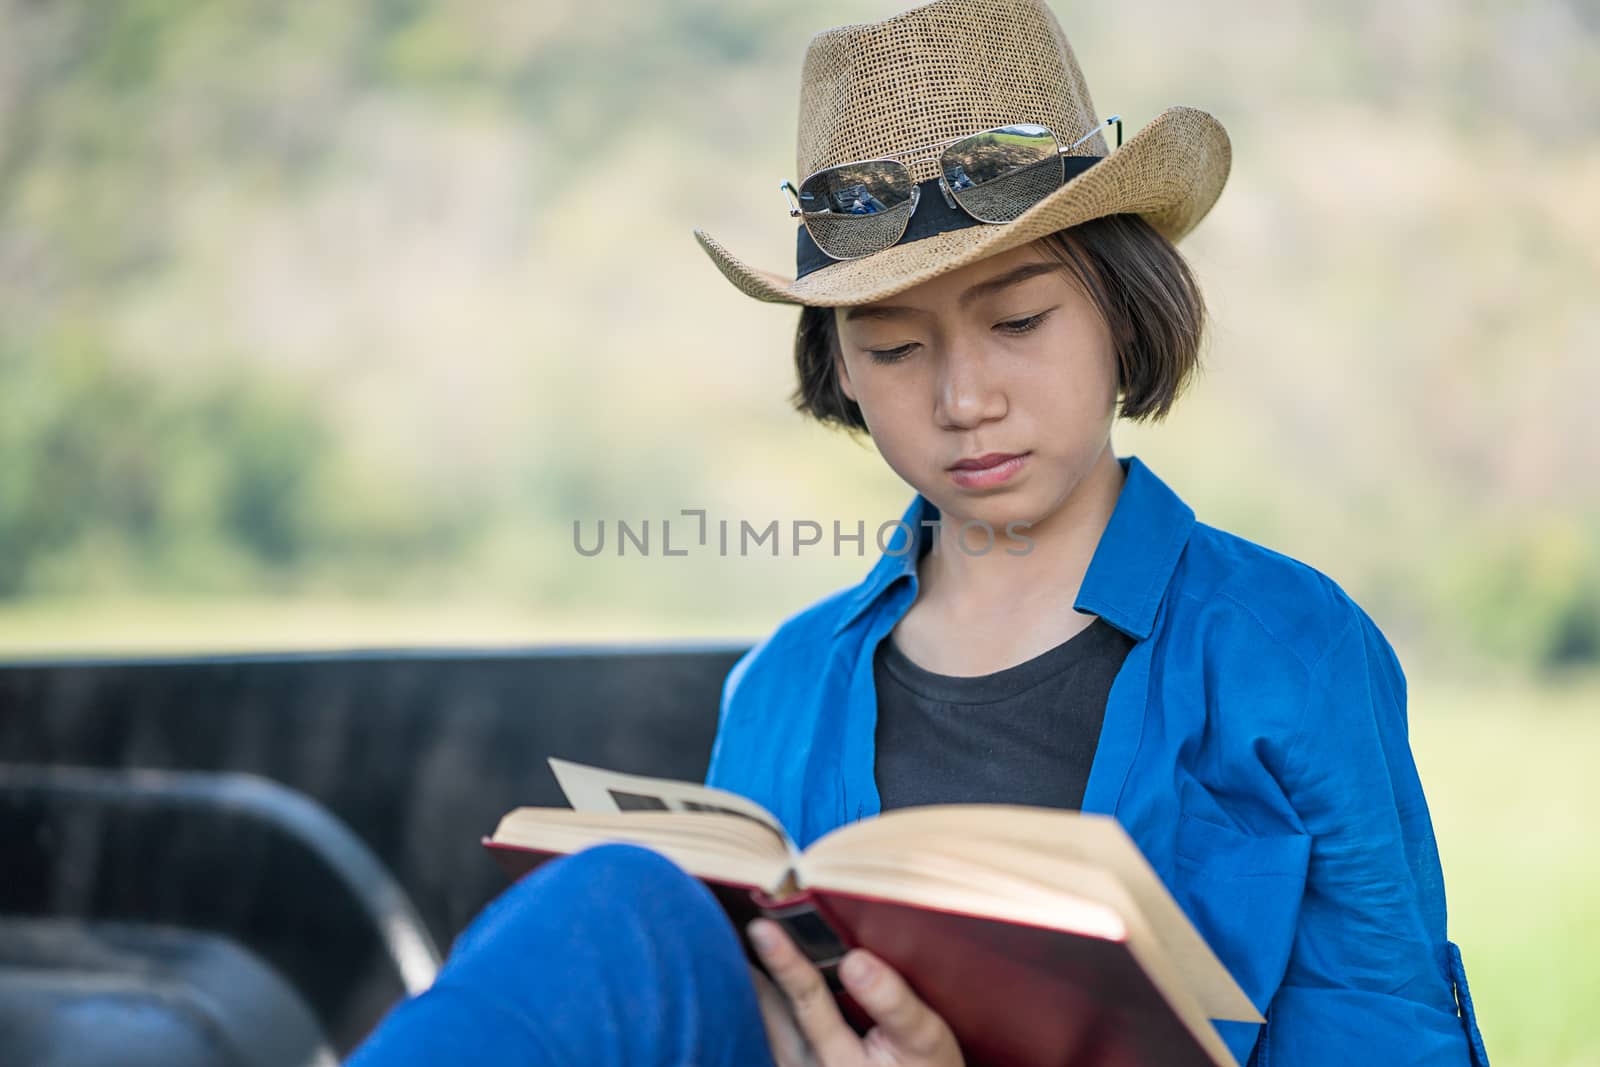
x=1042, y=937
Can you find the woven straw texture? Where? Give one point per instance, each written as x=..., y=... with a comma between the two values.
x=951, y=68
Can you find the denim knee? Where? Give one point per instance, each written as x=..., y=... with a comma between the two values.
x=612, y=957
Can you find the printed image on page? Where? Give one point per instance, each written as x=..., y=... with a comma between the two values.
x=593, y=789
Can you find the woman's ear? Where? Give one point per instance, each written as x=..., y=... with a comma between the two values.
x=841, y=374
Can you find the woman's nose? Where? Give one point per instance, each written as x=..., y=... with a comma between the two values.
x=969, y=391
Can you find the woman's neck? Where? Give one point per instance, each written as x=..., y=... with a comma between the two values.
x=997, y=584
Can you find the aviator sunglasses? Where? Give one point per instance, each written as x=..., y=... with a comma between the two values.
x=855, y=209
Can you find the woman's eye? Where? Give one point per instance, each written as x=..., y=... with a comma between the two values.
x=1032, y=322
x=1015, y=327
x=889, y=355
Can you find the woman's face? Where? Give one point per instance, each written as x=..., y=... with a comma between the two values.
x=1006, y=355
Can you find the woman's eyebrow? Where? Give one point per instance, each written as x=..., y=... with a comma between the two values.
x=985, y=288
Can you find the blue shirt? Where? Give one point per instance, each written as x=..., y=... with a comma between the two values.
x=1254, y=746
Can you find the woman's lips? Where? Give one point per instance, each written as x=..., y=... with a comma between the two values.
x=997, y=471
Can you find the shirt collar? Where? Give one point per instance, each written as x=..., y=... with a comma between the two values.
x=1127, y=576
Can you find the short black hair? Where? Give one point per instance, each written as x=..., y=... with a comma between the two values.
x=1138, y=280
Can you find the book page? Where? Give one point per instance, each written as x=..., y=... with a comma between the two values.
x=735, y=850
x=592, y=789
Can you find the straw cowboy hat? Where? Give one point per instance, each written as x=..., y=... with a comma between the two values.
x=946, y=70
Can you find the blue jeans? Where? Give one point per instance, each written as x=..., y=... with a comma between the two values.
x=608, y=957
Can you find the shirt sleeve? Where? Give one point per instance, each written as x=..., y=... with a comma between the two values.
x=1371, y=977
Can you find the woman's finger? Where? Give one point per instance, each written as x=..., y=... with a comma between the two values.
x=908, y=1025
x=789, y=1048
x=824, y=1028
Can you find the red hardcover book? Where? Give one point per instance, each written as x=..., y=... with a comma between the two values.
x=1042, y=937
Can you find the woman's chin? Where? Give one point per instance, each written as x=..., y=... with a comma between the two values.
x=994, y=511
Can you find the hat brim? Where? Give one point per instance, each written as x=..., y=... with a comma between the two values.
x=1170, y=173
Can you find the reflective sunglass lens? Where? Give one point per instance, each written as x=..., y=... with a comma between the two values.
x=999, y=174
x=859, y=208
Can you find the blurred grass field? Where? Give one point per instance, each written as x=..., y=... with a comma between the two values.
x=1509, y=772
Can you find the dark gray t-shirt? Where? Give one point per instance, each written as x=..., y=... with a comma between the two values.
x=1023, y=735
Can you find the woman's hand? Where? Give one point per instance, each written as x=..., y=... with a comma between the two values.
x=806, y=1029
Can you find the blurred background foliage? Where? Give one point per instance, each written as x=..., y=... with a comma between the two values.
x=361, y=305
x=321, y=324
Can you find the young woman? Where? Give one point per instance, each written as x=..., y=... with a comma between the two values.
x=985, y=287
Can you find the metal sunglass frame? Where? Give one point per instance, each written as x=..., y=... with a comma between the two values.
x=792, y=192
